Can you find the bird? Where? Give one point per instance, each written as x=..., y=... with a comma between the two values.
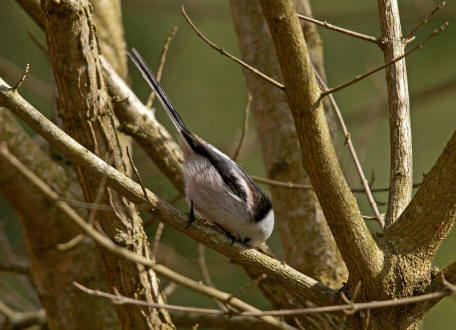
x=216, y=188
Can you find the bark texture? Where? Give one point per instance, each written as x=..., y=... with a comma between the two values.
x=86, y=111
x=53, y=270
x=401, y=167
x=308, y=244
x=320, y=161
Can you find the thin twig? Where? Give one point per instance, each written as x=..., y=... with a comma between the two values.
x=222, y=51
x=170, y=288
x=122, y=300
x=284, y=184
x=256, y=281
x=245, y=127
x=425, y=20
x=292, y=185
x=90, y=219
x=21, y=80
x=339, y=29
x=14, y=267
x=367, y=74
x=163, y=54
x=156, y=241
x=351, y=307
x=449, y=290
x=352, y=150
x=204, y=270
x=119, y=146
x=141, y=183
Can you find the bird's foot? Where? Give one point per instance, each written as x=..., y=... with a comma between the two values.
x=191, y=215
x=228, y=234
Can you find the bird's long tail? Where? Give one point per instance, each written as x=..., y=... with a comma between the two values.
x=155, y=85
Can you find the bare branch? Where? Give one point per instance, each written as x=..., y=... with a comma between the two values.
x=357, y=246
x=293, y=185
x=284, y=184
x=15, y=267
x=163, y=54
x=425, y=20
x=425, y=223
x=245, y=127
x=367, y=74
x=122, y=300
x=21, y=80
x=211, y=237
x=256, y=281
x=351, y=307
x=204, y=270
x=352, y=150
x=400, y=132
x=156, y=241
x=339, y=29
x=222, y=51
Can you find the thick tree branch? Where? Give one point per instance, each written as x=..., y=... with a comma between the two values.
x=305, y=235
x=358, y=248
x=401, y=161
x=432, y=212
x=50, y=272
x=210, y=236
x=86, y=112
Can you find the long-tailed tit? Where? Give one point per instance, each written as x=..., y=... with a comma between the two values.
x=216, y=188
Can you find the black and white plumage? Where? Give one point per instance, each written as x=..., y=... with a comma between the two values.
x=216, y=188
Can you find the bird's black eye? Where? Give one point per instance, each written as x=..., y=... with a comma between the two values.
x=246, y=240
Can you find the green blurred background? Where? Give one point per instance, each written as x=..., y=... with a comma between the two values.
x=210, y=93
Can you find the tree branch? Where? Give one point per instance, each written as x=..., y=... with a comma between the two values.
x=211, y=237
x=425, y=20
x=401, y=160
x=307, y=241
x=164, y=52
x=119, y=299
x=429, y=217
x=339, y=29
x=222, y=51
x=14, y=267
x=358, y=248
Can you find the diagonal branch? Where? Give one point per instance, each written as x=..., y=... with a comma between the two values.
x=339, y=29
x=283, y=274
x=357, y=246
x=381, y=67
x=227, y=54
x=425, y=20
x=429, y=217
